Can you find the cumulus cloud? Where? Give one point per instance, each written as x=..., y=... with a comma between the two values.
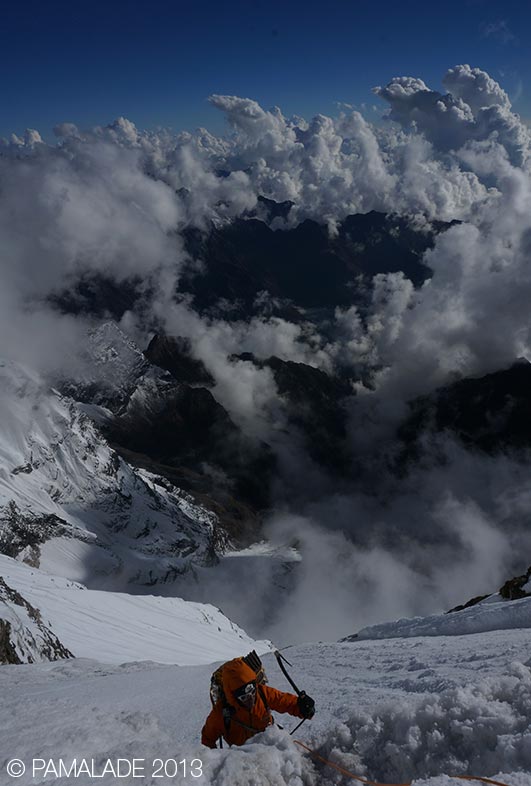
x=115, y=200
x=333, y=167
x=474, y=108
x=471, y=316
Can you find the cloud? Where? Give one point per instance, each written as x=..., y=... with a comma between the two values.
x=85, y=207
x=333, y=167
x=115, y=200
x=248, y=393
x=498, y=30
x=440, y=538
x=475, y=108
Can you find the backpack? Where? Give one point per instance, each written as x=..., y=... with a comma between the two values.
x=217, y=694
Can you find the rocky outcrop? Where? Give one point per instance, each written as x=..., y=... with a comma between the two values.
x=174, y=354
x=110, y=366
x=26, y=532
x=8, y=653
x=517, y=587
x=305, y=265
x=468, y=604
x=24, y=638
x=185, y=428
x=513, y=589
x=491, y=414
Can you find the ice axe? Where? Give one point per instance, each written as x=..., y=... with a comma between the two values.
x=299, y=693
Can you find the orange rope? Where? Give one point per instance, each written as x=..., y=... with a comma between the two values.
x=345, y=772
x=374, y=783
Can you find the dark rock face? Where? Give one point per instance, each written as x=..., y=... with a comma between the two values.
x=491, y=413
x=99, y=296
x=173, y=354
x=19, y=531
x=468, y=604
x=300, y=268
x=304, y=265
x=185, y=428
x=268, y=209
x=26, y=643
x=8, y=653
x=170, y=420
x=514, y=588
x=316, y=406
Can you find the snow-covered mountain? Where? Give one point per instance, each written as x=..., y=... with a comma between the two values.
x=158, y=411
x=70, y=505
x=107, y=370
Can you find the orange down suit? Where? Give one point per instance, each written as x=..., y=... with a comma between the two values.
x=235, y=674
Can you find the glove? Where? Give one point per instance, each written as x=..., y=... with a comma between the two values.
x=306, y=705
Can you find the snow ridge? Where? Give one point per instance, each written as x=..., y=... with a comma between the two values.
x=493, y=613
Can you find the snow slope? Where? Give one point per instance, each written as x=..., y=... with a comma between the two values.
x=118, y=628
x=70, y=505
x=393, y=710
x=493, y=613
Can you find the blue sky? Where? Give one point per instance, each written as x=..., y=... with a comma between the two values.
x=156, y=63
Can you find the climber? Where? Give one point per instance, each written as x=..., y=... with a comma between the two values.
x=243, y=706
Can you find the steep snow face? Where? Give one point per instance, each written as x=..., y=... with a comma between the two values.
x=70, y=505
x=111, y=626
x=392, y=711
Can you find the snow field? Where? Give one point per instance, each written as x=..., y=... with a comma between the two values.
x=393, y=710
x=116, y=628
x=473, y=729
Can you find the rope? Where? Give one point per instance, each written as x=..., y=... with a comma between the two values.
x=375, y=783
x=341, y=769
